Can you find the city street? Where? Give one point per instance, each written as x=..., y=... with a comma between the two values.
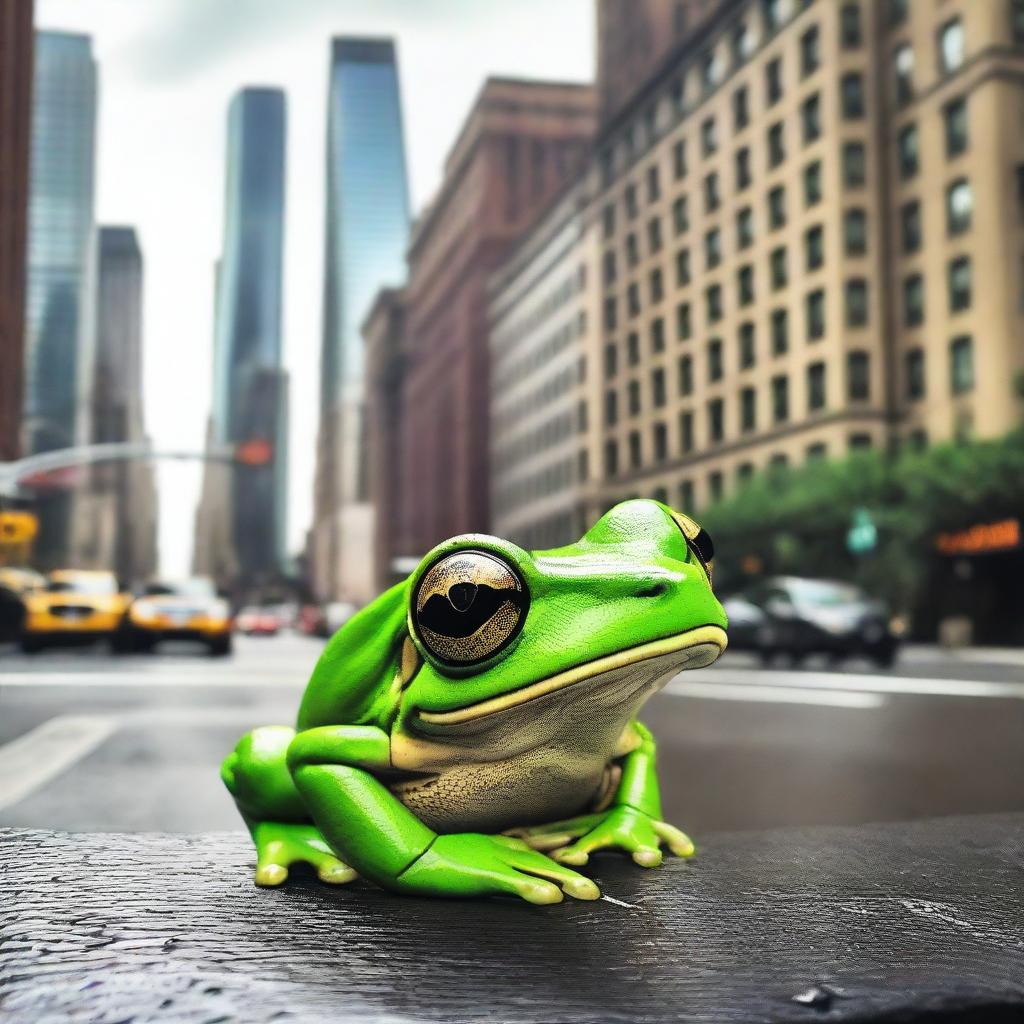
x=89, y=741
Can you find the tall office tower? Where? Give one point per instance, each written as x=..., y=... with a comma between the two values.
x=247, y=344
x=367, y=234
x=115, y=524
x=812, y=241
x=15, y=122
x=59, y=314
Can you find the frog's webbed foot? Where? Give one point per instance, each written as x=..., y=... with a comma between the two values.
x=279, y=845
x=625, y=828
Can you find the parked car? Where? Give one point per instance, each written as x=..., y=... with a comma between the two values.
x=254, y=621
x=75, y=605
x=310, y=620
x=795, y=616
x=185, y=610
x=15, y=586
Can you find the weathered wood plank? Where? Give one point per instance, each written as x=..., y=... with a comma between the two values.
x=913, y=922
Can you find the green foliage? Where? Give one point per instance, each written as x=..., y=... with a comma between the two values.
x=795, y=521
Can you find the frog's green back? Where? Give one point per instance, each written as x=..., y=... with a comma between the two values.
x=356, y=680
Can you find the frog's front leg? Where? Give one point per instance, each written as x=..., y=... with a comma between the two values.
x=632, y=822
x=335, y=770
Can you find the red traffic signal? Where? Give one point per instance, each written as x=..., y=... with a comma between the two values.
x=255, y=452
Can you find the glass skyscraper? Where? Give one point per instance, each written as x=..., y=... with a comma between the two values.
x=249, y=397
x=59, y=315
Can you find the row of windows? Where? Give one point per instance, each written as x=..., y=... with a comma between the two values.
x=552, y=431
x=547, y=391
x=513, y=371
x=546, y=481
x=545, y=309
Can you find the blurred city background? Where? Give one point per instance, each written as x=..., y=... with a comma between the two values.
x=291, y=292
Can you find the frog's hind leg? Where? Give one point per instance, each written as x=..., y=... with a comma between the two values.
x=256, y=774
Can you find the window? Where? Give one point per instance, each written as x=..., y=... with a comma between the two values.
x=634, y=398
x=651, y=123
x=680, y=215
x=742, y=168
x=686, y=432
x=810, y=52
x=907, y=148
x=629, y=198
x=635, y=450
x=849, y=26
x=903, y=72
x=632, y=250
x=713, y=248
x=858, y=376
x=713, y=300
x=653, y=184
x=711, y=70
x=654, y=235
x=745, y=227
x=745, y=285
x=685, y=368
x=709, y=136
x=817, y=452
x=660, y=442
x=954, y=117
x=715, y=362
x=773, y=80
x=852, y=95
x=913, y=300
x=777, y=207
x=611, y=360
x=716, y=486
x=743, y=42
x=716, y=420
x=856, y=302
x=780, y=399
x=898, y=11
x=611, y=458
x=610, y=313
x=679, y=159
x=1017, y=21
x=608, y=220
x=810, y=117
x=814, y=246
x=812, y=183
x=658, y=388
x=915, y=374
x=959, y=206
x=779, y=270
x=815, y=303
x=686, y=495
x=609, y=267
x=633, y=348
x=684, y=326
x=772, y=14
x=855, y=232
x=611, y=408
x=780, y=332
x=740, y=109
x=959, y=284
x=683, y=267
x=860, y=442
x=712, y=199
x=910, y=226
x=961, y=355
x=658, y=335
x=854, y=164
x=744, y=473
x=815, y=387
x=747, y=349
x=633, y=299
x=748, y=410
x=951, y=45
x=776, y=145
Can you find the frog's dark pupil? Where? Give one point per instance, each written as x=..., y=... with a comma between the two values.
x=462, y=595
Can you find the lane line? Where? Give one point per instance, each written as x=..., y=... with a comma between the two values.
x=680, y=687
x=34, y=758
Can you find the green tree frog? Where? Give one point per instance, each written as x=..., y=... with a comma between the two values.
x=473, y=731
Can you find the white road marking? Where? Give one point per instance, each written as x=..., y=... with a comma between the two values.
x=620, y=903
x=681, y=687
x=33, y=759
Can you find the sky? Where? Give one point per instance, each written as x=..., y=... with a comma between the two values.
x=168, y=69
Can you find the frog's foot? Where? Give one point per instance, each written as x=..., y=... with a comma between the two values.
x=573, y=841
x=468, y=864
x=279, y=845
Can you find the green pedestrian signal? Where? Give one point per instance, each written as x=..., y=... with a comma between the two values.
x=863, y=534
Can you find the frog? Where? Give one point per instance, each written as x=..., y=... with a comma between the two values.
x=473, y=731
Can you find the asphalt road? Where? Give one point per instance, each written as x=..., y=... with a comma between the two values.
x=89, y=741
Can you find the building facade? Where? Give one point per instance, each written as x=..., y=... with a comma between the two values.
x=367, y=234
x=116, y=518
x=778, y=283
x=15, y=121
x=248, y=383
x=521, y=143
x=544, y=351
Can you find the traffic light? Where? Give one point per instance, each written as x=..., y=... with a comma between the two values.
x=255, y=452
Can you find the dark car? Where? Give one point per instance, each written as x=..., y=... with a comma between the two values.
x=794, y=616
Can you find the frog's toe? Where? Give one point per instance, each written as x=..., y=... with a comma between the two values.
x=279, y=846
x=270, y=874
x=677, y=841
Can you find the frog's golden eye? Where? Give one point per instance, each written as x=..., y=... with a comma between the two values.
x=469, y=606
x=698, y=540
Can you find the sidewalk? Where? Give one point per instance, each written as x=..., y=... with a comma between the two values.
x=926, y=653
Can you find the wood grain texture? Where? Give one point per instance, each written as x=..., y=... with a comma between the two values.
x=916, y=922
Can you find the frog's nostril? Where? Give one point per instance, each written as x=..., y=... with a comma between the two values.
x=654, y=590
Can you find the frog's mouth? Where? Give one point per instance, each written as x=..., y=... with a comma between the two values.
x=695, y=648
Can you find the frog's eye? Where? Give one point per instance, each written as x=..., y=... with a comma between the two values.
x=469, y=606
x=698, y=540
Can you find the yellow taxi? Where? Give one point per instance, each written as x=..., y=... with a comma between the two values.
x=75, y=604
x=186, y=610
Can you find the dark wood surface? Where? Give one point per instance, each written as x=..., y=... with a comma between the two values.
x=916, y=922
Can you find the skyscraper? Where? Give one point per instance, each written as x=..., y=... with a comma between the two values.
x=367, y=232
x=59, y=321
x=15, y=121
x=247, y=345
